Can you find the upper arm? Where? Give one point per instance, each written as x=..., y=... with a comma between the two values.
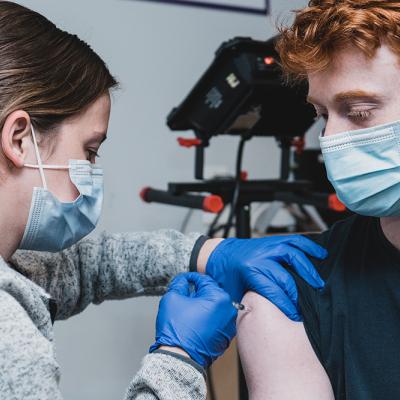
x=277, y=357
x=28, y=369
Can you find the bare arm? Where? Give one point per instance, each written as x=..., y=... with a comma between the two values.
x=278, y=360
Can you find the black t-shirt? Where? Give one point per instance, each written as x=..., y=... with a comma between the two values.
x=354, y=323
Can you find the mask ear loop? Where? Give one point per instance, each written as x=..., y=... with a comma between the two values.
x=39, y=160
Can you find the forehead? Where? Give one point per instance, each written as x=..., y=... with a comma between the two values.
x=351, y=70
x=100, y=108
x=95, y=116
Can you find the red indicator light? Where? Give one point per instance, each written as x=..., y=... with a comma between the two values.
x=269, y=60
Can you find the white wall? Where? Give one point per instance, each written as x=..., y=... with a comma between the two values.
x=157, y=52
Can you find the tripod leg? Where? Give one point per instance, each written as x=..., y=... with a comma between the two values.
x=243, y=229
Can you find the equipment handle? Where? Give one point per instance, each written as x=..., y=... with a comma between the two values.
x=322, y=200
x=213, y=204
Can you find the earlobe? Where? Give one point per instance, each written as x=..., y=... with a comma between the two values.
x=16, y=137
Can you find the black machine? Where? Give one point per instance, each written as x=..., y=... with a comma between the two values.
x=243, y=90
x=243, y=93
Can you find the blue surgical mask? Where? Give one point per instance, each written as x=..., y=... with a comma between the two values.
x=54, y=225
x=364, y=168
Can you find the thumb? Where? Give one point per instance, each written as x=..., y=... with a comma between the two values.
x=201, y=282
x=181, y=285
x=206, y=287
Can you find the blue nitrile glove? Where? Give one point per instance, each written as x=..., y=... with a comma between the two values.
x=242, y=265
x=197, y=316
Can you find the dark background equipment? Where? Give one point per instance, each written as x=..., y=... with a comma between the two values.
x=243, y=93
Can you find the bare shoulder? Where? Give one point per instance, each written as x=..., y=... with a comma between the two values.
x=277, y=356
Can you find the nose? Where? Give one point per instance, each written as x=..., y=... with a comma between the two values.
x=334, y=126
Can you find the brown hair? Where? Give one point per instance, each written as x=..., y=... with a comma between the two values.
x=47, y=72
x=326, y=26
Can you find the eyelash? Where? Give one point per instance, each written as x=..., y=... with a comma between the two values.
x=93, y=153
x=359, y=115
x=356, y=115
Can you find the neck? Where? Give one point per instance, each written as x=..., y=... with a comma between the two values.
x=12, y=220
x=391, y=229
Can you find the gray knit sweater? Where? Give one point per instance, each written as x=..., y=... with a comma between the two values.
x=112, y=266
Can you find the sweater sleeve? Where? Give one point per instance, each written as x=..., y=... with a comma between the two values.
x=28, y=369
x=163, y=377
x=111, y=266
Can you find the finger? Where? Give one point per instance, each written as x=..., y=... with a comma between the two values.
x=200, y=280
x=302, y=265
x=306, y=269
x=286, y=307
x=180, y=285
x=279, y=287
x=306, y=245
x=274, y=276
x=207, y=287
x=289, y=309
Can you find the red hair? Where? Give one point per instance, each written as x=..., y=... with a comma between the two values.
x=326, y=26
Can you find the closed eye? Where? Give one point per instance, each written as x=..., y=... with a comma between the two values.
x=92, y=155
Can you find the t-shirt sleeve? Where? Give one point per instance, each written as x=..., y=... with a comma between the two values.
x=309, y=298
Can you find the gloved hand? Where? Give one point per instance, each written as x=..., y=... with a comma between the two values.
x=197, y=316
x=241, y=265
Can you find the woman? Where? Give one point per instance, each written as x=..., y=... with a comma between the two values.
x=54, y=113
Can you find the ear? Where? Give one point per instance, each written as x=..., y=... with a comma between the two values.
x=16, y=137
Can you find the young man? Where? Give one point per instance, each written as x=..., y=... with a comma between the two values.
x=348, y=344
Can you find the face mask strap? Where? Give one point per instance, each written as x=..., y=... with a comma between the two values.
x=47, y=166
x=39, y=160
x=40, y=165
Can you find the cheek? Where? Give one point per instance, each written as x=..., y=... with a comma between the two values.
x=70, y=193
x=59, y=183
x=390, y=113
x=63, y=157
x=336, y=124
x=68, y=146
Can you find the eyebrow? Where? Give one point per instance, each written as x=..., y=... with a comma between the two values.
x=356, y=94
x=350, y=95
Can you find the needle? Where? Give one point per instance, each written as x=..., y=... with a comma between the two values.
x=241, y=307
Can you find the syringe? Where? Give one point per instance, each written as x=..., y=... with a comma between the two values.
x=241, y=307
